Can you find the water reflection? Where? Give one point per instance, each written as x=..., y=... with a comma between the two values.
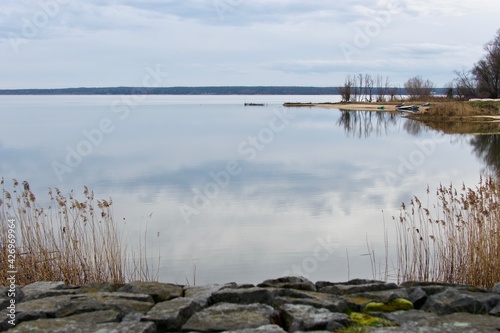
x=487, y=149
x=311, y=180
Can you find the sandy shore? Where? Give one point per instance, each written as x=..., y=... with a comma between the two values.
x=352, y=106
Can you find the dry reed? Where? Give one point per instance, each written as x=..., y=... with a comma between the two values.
x=75, y=241
x=460, y=244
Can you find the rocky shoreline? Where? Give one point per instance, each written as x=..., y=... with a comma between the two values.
x=287, y=304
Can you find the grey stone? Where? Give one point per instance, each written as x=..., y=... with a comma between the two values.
x=261, y=329
x=410, y=318
x=384, y=296
x=43, y=289
x=243, y=296
x=100, y=287
x=418, y=297
x=354, y=287
x=171, y=315
x=66, y=325
x=454, y=323
x=201, y=294
x=495, y=311
x=67, y=305
x=159, y=291
x=306, y=318
x=230, y=317
x=452, y=300
x=291, y=282
x=496, y=288
x=317, y=300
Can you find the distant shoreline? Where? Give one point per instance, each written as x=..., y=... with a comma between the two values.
x=182, y=90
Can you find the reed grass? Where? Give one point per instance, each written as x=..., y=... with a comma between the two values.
x=458, y=109
x=458, y=242
x=75, y=241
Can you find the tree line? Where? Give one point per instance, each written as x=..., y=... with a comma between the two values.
x=481, y=81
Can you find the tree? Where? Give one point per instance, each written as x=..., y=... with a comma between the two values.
x=345, y=90
x=487, y=70
x=417, y=88
x=369, y=82
x=465, y=84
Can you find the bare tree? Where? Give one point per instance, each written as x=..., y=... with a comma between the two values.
x=487, y=70
x=382, y=88
x=417, y=88
x=346, y=90
x=361, y=89
x=465, y=84
x=369, y=82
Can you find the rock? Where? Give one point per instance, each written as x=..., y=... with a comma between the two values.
x=495, y=311
x=243, y=296
x=318, y=300
x=454, y=323
x=394, y=305
x=291, y=282
x=496, y=288
x=410, y=318
x=418, y=297
x=201, y=294
x=334, y=305
x=230, y=317
x=385, y=296
x=261, y=329
x=46, y=289
x=452, y=300
x=66, y=325
x=67, y=305
x=365, y=320
x=171, y=315
x=159, y=291
x=354, y=287
x=356, y=302
x=307, y=318
x=100, y=287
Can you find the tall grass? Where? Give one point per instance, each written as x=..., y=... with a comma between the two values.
x=76, y=241
x=459, y=109
x=459, y=242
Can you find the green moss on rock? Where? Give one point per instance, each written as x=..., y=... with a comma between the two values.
x=363, y=320
x=394, y=305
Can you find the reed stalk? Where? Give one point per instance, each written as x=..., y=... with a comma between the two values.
x=71, y=240
x=455, y=241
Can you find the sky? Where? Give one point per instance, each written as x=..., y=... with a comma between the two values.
x=73, y=43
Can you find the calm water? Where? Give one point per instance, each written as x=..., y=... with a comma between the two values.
x=241, y=193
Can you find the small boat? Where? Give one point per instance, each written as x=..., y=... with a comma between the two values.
x=254, y=104
x=413, y=108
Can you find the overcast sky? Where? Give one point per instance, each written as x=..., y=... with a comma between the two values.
x=91, y=43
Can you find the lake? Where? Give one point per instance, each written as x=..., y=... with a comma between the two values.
x=239, y=193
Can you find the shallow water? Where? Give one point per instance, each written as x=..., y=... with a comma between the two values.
x=238, y=193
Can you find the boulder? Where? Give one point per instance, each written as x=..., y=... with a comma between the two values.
x=43, y=289
x=394, y=305
x=66, y=325
x=291, y=282
x=243, y=296
x=230, y=317
x=171, y=315
x=67, y=305
x=453, y=323
x=452, y=300
x=298, y=317
x=354, y=287
x=159, y=291
x=202, y=294
x=496, y=288
x=261, y=329
x=410, y=318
